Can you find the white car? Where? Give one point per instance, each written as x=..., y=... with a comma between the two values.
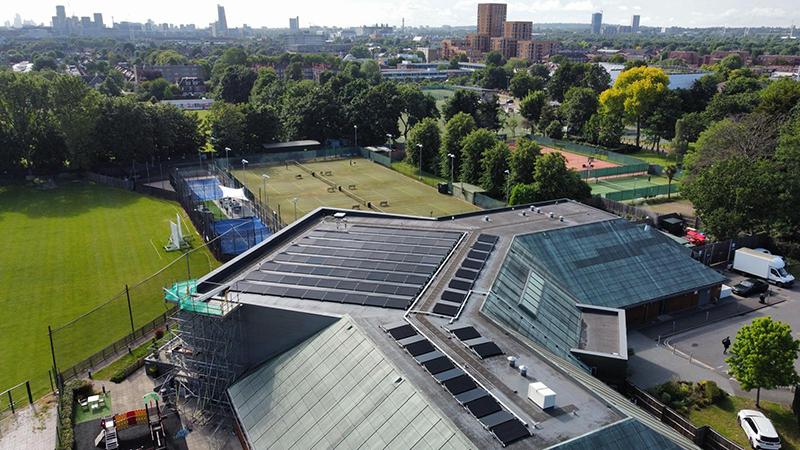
x=759, y=430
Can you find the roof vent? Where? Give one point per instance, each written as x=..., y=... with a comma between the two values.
x=486, y=219
x=523, y=370
x=538, y=210
x=560, y=218
x=512, y=361
x=551, y=215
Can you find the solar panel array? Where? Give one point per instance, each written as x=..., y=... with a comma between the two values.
x=456, y=293
x=472, y=339
x=365, y=265
x=489, y=412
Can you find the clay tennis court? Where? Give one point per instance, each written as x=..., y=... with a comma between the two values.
x=576, y=161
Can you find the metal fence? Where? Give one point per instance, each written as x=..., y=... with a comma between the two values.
x=121, y=183
x=625, y=210
x=131, y=309
x=723, y=251
x=486, y=202
x=627, y=164
x=643, y=192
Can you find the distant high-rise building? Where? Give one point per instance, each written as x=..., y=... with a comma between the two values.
x=491, y=17
x=635, y=23
x=517, y=30
x=17, y=21
x=61, y=12
x=98, y=20
x=222, y=22
x=597, y=22
x=60, y=20
x=294, y=23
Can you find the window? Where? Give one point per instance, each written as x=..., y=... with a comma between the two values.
x=532, y=294
x=752, y=425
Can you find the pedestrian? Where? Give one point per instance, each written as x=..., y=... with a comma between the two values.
x=726, y=343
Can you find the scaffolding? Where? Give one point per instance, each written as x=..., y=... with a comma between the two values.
x=206, y=353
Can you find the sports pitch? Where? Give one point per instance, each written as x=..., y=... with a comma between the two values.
x=577, y=161
x=607, y=185
x=67, y=250
x=372, y=182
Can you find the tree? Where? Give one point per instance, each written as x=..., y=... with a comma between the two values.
x=235, y=84
x=670, y=172
x=487, y=115
x=578, y=106
x=605, y=129
x=552, y=180
x=523, y=161
x=455, y=130
x=75, y=110
x=227, y=123
x=472, y=150
x=492, y=77
x=660, y=124
x=636, y=94
x=426, y=134
x=461, y=101
x=531, y=107
x=376, y=112
x=360, y=52
x=494, y=59
x=570, y=75
x=522, y=83
x=780, y=96
x=494, y=168
x=763, y=356
x=415, y=106
x=261, y=126
x=554, y=130
x=522, y=194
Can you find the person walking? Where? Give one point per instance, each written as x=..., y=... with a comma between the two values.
x=726, y=343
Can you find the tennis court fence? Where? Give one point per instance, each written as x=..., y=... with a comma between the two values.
x=643, y=192
x=627, y=164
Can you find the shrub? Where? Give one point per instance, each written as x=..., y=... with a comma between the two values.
x=66, y=415
x=159, y=334
x=683, y=396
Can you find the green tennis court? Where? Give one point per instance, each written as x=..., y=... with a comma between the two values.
x=606, y=185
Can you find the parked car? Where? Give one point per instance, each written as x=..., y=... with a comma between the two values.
x=750, y=286
x=759, y=430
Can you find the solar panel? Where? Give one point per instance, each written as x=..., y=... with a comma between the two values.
x=448, y=375
x=495, y=419
x=445, y=310
x=487, y=350
x=466, y=333
x=466, y=397
x=488, y=238
x=479, y=255
x=332, y=296
x=483, y=406
x=472, y=264
x=510, y=432
x=467, y=274
x=453, y=296
x=402, y=332
x=459, y=384
x=438, y=365
x=396, y=303
x=425, y=357
x=483, y=247
x=355, y=299
x=373, y=300
x=419, y=348
x=312, y=294
x=461, y=285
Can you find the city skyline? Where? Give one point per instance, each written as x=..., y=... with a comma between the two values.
x=734, y=13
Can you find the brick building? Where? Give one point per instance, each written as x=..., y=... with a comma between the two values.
x=536, y=50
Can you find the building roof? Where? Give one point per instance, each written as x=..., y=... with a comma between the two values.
x=337, y=390
x=616, y=263
x=624, y=435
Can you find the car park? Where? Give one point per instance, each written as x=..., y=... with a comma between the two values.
x=750, y=286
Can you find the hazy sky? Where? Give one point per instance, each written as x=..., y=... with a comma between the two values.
x=274, y=13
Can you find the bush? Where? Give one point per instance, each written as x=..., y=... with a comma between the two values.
x=66, y=415
x=683, y=396
x=159, y=334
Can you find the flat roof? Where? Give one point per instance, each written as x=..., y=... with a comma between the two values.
x=354, y=266
x=290, y=144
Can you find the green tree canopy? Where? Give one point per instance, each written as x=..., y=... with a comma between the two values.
x=635, y=94
x=780, y=96
x=455, y=130
x=531, y=107
x=578, y=106
x=415, y=106
x=522, y=161
x=494, y=166
x=763, y=356
x=426, y=134
x=472, y=150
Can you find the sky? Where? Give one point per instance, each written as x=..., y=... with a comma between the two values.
x=276, y=13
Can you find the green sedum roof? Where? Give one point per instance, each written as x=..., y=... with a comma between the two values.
x=628, y=434
x=337, y=390
x=616, y=263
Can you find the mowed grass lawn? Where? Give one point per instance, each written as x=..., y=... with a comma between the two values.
x=373, y=182
x=722, y=417
x=67, y=250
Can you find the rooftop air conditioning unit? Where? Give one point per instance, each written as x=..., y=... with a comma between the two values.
x=541, y=395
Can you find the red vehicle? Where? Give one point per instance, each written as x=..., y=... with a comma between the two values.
x=695, y=237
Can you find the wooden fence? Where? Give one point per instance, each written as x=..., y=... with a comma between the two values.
x=704, y=436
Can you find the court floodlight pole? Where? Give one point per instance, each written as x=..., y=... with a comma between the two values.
x=452, y=165
x=508, y=184
x=419, y=155
x=130, y=311
x=53, y=353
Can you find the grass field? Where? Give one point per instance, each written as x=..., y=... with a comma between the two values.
x=373, y=182
x=722, y=417
x=67, y=250
x=625, y=183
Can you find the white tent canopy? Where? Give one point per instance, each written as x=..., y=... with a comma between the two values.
x=232, y=193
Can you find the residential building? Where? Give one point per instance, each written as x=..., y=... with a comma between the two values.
x=171, y=73
x=192, y=86
x=536, y=50
x=719, y=55
x=779, y=60
x=597, y=22
x=294, y=24
x=504, y=46
x=689, y=57
x=222, y=21
x=517, y=30
x=635, y=23
x=491, y=17
x=98, y=21
x=478, y=43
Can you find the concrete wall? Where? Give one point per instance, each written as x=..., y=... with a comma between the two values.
x=268, y=332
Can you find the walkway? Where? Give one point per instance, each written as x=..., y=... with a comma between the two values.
x=30, y=428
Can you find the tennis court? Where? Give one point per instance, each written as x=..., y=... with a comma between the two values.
x=577, y=162
x=205, y=188
x=606, y=185
x=347, y=183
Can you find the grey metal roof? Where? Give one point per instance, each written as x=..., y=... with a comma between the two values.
x=624, y=435
x=616, y=263
x=337, y=390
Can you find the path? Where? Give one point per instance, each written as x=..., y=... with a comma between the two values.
x=31, y=428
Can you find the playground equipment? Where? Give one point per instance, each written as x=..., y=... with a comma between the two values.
x=176, y=239
x=150, y=416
